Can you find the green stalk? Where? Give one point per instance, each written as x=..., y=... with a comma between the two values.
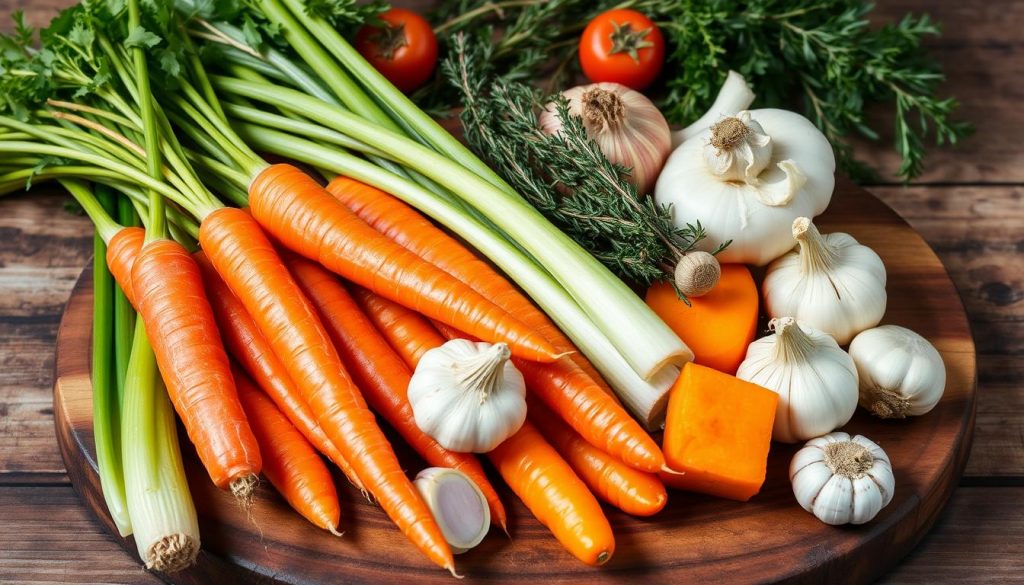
x=646, y=399
x=157, y=226
x=306, y=45
x=641, y=337
x=161, y=508
x=197, y=208
x=124, y=313
x=397, y=103
x=106, y=407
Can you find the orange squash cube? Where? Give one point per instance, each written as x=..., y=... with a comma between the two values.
x=718, y=430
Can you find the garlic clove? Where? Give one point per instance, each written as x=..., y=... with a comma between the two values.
x=808, y=483
x=867, y=500
x=738, y=149
x=458, y=505
x=834, y=502
x=782, y=191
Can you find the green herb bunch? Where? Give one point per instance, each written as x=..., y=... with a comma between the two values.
x=822, y=56
x=565, y=176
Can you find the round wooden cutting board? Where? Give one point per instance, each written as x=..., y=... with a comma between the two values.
x=696, y=539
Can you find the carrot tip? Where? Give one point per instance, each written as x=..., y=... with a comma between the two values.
x=451, y=569
x=243, y=489
x=333, y=531
x=669, y=471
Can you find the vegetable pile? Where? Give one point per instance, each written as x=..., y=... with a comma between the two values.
x=477, y=313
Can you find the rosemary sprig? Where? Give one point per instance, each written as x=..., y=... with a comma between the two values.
x=823, y=56
x=565, y=176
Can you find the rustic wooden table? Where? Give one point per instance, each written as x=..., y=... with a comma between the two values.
x=968, y=206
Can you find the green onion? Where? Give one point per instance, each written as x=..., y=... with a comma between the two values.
x=160, y=505
x=124, y=313
x=106, y=404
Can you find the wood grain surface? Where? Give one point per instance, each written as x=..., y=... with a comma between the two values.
x=694, y=539
x=968, y=206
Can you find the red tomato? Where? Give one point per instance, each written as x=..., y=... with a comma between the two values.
x=622, y=46
x=404, y=51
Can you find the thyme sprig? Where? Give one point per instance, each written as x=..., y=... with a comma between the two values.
x=565, y=176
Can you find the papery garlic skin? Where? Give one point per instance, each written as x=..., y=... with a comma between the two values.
x=842, y=480
x=829, y=281
x=753, y=209
x=901, y=373
x=467, y=395
x=815, y=379
x=628, y=128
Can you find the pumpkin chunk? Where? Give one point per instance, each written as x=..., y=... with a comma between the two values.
x=718, y=430
x=718, y=326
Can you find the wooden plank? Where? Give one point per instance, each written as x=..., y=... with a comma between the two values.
x=49, y=537
x=44, y=249
x=978, y=539
x=975, y=541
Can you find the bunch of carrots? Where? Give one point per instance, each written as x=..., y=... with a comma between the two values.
x=282, y=315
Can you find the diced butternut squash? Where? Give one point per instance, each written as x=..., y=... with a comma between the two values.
x=718, y=326
x=718, y=430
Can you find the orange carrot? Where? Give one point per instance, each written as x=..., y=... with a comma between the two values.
x=168, y=293
x=300, y=214
x=600, y=422
x=122, y=250
x=409, y=334
x=633, y=491
x=246, y=344
x=408, y=228
x=289, y=461
x=380, y=373
x=252, y=269
x=555, y=495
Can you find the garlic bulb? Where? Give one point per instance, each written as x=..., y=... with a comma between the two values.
x=829, y=282
x=627, y=127
x=467, y=395
x=901, y=374
x=842, y=480
x=746, y=178
x=697, y=273
x=458, y=506
x=815, y=379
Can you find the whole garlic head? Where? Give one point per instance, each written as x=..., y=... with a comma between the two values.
x=816, y=380
x=467, y=395
x=901, y=374
x=829, y=281
x=628, y=128
x=842, y=480
x=746, y=178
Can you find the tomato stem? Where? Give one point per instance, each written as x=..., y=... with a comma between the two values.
x=388, y=39
x=626, y=39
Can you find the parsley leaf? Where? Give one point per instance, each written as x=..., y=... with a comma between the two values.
x=140, y=37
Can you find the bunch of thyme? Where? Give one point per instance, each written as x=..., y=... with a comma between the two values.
x=565, y=176
x=822, y=56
